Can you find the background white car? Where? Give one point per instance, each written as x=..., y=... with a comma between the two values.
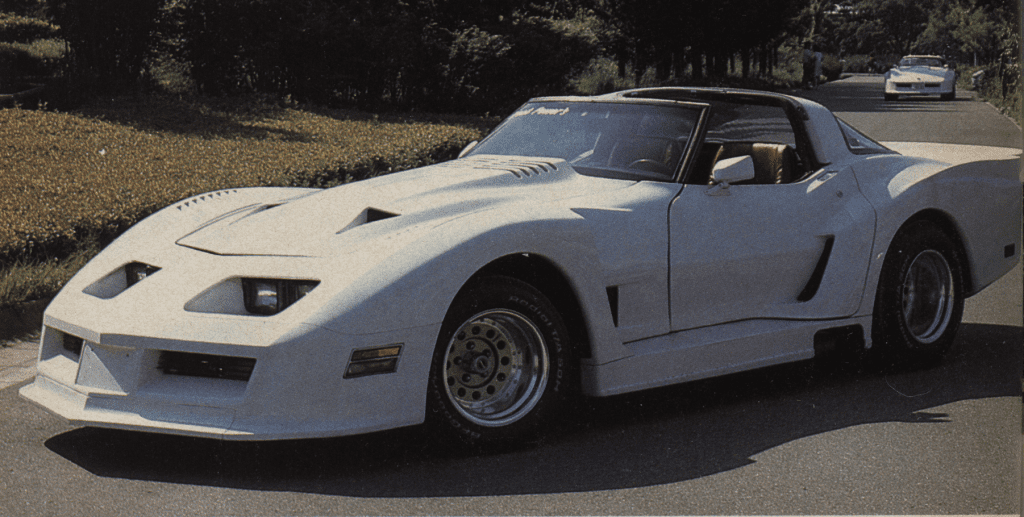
x=921, y=75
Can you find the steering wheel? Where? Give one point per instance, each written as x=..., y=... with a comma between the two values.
x=647, y=164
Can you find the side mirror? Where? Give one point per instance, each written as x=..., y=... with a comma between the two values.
x=732, y=170
x=468, y=148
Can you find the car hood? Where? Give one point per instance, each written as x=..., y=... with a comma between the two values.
x=310, y=225
x=918, y=74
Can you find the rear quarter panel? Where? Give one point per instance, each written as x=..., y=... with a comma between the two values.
x=977, y=188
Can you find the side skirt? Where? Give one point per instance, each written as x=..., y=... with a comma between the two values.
x=705, y=352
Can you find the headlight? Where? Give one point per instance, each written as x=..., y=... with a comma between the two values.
x=135, y=272
x=265, y=296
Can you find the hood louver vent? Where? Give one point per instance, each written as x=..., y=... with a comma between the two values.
x=518, y=168
x=205, y=197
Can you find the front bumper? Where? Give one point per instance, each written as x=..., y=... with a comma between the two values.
x=917, y=88
x=292, y=388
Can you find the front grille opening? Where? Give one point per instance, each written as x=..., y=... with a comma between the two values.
x=72, y=344
x=206, y=365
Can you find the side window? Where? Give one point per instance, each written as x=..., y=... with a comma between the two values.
x=750, y=123
x=764, y=133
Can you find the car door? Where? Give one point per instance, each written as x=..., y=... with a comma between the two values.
x=796, y=249
x=793, y=251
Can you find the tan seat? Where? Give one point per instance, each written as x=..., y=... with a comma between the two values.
x=773, y=163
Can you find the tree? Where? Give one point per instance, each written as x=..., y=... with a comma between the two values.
x=109, y=40
x=960, y=30
x=890, y=26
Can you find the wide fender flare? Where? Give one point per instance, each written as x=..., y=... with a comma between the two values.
x=415, y=286
x=979, y=200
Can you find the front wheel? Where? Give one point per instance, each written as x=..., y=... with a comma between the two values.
x=920, y=297
x=501, y=369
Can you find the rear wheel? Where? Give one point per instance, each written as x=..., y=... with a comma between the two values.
x=920, y=298
x=501, y=370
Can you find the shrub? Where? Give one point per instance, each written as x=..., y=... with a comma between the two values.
x=861, y=64
x=374, y=54
x=497, y=69
x=15, y=64
x=20, y=62
x=831, y=67
x=600, y=76
x=24, y=29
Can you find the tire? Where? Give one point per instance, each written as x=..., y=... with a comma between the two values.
x=502, y=368
x=949, y=96
x=920, y=298
x=891, y=96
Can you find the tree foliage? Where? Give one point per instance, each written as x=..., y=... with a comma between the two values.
x=473, y=55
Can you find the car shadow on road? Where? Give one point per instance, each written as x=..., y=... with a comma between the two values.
x=645, y=439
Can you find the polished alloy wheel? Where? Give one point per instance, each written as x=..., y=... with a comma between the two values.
x=496, y=367
x=928, y=296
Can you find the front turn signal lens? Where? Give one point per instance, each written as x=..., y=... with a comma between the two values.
x=373, y=361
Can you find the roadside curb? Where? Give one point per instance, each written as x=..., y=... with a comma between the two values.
x=1003, y=113
x=20, y=319
x=975, y=96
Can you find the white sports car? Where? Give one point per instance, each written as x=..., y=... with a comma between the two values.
x=592, y=246
x=921, y=75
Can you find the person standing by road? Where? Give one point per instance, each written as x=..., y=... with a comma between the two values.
x=807, y=80
x=818, y=57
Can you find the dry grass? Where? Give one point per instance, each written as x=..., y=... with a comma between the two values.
x=98, y=170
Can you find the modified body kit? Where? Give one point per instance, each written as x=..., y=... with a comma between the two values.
x=588, y=246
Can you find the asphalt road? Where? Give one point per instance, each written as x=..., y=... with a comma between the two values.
x=785, y=440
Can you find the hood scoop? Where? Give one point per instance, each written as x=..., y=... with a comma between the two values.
x=370, y=215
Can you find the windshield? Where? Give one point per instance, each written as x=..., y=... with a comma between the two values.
x=617, y=140
x=921, y=61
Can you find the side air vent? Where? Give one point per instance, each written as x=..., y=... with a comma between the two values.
x=814, y=282
x=613, y=303
x=205, y=197
x=206, y=365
